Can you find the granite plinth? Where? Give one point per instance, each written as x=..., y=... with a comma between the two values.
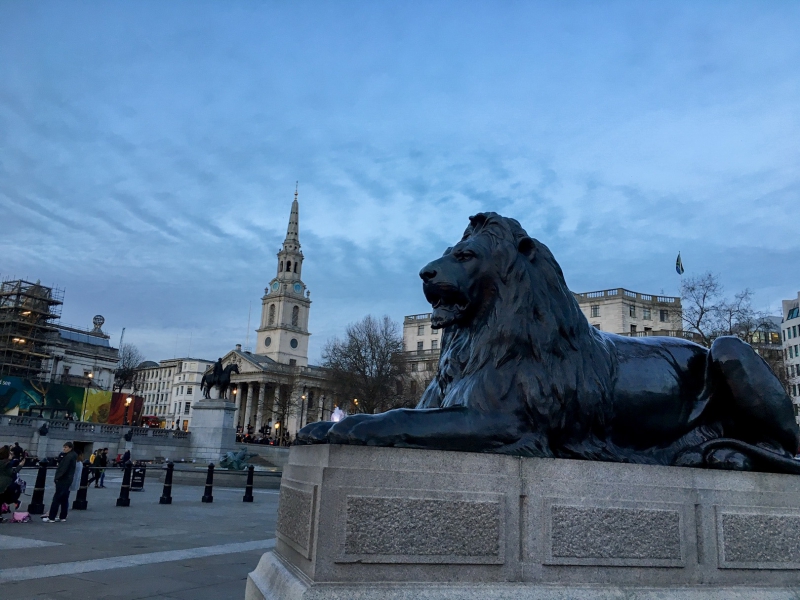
x=380, y=523
x=213, y=431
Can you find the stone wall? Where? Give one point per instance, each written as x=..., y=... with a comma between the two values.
x=146, y=444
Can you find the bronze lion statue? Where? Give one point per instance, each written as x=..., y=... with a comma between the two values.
x=522, y=372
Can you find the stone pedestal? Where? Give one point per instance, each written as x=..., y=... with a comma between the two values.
x=213, y=432
x=380, y=523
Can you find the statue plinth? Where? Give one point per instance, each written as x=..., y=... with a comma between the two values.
x=378, y=523
x=213, y=430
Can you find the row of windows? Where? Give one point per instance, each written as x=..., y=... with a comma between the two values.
x=421, y=330
x=434, y=345
x=792, y=352
x=794, y=313
x=790, y=332
x=156, y=375
x=422, y=366
x=663, y=314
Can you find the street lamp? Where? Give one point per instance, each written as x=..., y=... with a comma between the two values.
x=128, y=401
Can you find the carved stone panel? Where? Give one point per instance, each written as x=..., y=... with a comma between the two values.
x=758, y=539
x=296, y=515
x=423, y=530
x=613, y=536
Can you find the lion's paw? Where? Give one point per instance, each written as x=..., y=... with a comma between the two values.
x=731, y=460
x=315, y=433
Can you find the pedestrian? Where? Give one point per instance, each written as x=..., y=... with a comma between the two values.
x=9, y=488
x=17, y=451
x=98, y=471
x=65, y=473
x=125, y=458
x=103, y=465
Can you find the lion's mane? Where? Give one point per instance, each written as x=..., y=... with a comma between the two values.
x=563, y=371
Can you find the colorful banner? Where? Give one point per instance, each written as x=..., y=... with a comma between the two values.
x=55, y=400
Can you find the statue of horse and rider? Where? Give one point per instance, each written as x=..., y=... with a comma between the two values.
x=220, y=377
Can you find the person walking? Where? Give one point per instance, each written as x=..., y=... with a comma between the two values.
x=99, y=463
x=65, y=473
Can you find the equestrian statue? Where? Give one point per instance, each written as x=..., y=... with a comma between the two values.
x=220, y=377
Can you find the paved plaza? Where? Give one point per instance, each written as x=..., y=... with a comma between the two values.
x=186, y=550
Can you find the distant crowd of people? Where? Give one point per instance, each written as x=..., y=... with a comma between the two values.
x=262, y=437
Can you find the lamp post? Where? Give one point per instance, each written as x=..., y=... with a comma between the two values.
x=302, y=407
x=128, y=401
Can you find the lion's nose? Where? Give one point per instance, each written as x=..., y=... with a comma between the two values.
x=427, y=273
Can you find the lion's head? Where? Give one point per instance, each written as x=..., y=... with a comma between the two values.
x=502, y=298
x=489, y=263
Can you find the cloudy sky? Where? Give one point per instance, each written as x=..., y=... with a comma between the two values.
x=149, y=150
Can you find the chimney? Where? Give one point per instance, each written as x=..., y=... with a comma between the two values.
x=238, y=347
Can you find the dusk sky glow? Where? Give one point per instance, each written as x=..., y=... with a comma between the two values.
x=149, y=150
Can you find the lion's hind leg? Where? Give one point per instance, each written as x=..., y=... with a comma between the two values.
x=747, y=399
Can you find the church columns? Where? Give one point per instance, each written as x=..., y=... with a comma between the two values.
x=248, y=411
x=239, y=395
x=262, y=393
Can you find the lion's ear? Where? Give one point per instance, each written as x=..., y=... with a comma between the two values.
x=527, y=247
x=477, y=220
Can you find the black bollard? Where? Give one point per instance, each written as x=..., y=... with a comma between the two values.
x=36, y=507
x=207, y=497
x=248, y=489
x=80, y=502
x=125, y=489
x=166, y=495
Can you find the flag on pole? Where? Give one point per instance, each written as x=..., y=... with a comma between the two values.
x=679, y=264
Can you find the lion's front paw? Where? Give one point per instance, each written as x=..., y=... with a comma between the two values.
x=363, y=430
x=315, y=433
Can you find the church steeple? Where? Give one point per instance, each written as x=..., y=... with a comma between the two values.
x=293, y=231
x=283, y=334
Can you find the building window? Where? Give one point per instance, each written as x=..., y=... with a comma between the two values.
x=663, y=316
x=596, y=325
x=292, y=362
x=421, y=330
x=434, y=344
x=189, y=390
x=295, y=267
x=595, y=310
x=413, y=387
x=289, y=266
x=186, y=408
x=271, y=315
x=646, y=314
x=414, y=367
x=794, y=330
x=295, y=315
x=420, y=346
x=632, y=310
x=633, y=328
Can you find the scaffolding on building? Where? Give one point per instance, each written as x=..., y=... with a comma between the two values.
x=27, y=315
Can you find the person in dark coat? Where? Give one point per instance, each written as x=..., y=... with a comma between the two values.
x=65, y=473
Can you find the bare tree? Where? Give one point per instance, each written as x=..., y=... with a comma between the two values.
x=709, y=314
x=367, y=365
x=700, y=299
x=129, y=359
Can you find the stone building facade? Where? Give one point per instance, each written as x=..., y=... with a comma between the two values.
x=790, y=338
x=625, y=312
x=81, y=357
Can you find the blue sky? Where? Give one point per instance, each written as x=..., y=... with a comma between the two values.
x=149, y=150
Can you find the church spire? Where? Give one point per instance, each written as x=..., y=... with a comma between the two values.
x=293, y=231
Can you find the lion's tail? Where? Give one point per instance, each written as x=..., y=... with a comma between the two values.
x=768, y=460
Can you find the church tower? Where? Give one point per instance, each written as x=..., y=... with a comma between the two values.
x=283, y=334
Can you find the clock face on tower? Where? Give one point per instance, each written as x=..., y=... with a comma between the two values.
x=275, y=286
x=298, y=289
